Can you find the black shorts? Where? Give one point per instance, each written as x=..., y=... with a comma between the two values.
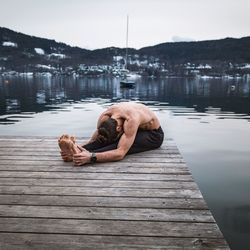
x=144, y=140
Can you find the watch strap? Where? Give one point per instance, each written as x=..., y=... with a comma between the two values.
x=93, y=158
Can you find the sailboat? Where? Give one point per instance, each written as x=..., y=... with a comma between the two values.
x=125, y=83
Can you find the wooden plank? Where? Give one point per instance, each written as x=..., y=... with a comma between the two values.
x=56, y=155
x=17, y=241
x=110, y=227
x=10, y=139
x=98, y=213
x=30, y=143
x=53, y=138
x=102, y=167
x=34, y=142
x=56, y=151
x=148, y=199
x=58, y=158
x=32, y=138
x=97, y=183
x=70, y=166
x=94, y=191
x=85, y=201
x=97, y=176
x=53, y=147
x=125, y=169
x=99, y=165
x=9, y=147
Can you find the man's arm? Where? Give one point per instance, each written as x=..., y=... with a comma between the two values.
x=130, y=127
x=92, y=138
x=125, y=143
x=101, y=119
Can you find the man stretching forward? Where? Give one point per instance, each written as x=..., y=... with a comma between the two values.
x=124, y=128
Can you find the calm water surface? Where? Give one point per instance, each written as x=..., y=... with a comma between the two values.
x=208, y=118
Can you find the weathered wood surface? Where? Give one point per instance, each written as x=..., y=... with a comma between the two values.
x=147, y=201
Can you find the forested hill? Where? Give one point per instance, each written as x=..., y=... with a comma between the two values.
x=228, y=49
x=18, y=50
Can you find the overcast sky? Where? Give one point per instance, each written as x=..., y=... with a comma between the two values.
x=95, y=24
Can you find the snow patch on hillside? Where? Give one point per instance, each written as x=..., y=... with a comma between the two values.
x=246, y=66
x=39, y=51
x=42, y=66
x=60, y=56
x=9, y=44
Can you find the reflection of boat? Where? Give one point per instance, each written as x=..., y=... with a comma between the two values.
x=125, y=82
x=232, y=87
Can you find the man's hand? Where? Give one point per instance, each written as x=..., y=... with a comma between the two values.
x=82, y=158
x=66, y=157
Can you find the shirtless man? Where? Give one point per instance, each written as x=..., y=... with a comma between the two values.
x=124, y=128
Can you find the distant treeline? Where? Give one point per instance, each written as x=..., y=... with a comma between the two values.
x=228, y=49
x=17, y=51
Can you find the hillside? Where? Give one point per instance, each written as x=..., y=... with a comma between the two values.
x=228, y=49
x=23, y=53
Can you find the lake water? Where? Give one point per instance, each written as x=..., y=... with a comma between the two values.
x=209, y=119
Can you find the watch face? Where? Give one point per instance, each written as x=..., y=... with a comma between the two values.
x=93, y=158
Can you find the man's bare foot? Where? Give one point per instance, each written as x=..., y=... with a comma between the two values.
x=68, y=147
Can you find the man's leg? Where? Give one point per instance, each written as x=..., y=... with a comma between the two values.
x=97, y=146
x=147, y=140
x=144, y=140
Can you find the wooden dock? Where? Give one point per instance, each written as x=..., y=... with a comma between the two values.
x=146, y=201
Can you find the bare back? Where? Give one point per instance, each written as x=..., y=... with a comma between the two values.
x=140, y=114
x=130, y=117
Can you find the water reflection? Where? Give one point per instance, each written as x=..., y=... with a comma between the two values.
x=237, y=219
x=38, y=94
x=207, y=117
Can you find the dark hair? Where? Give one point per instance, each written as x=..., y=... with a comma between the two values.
x=107, y=131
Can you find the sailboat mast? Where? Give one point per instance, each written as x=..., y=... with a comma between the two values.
x=125, y=83
x=127, y=43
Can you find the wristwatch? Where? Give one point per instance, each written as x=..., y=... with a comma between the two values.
x=93, y=158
